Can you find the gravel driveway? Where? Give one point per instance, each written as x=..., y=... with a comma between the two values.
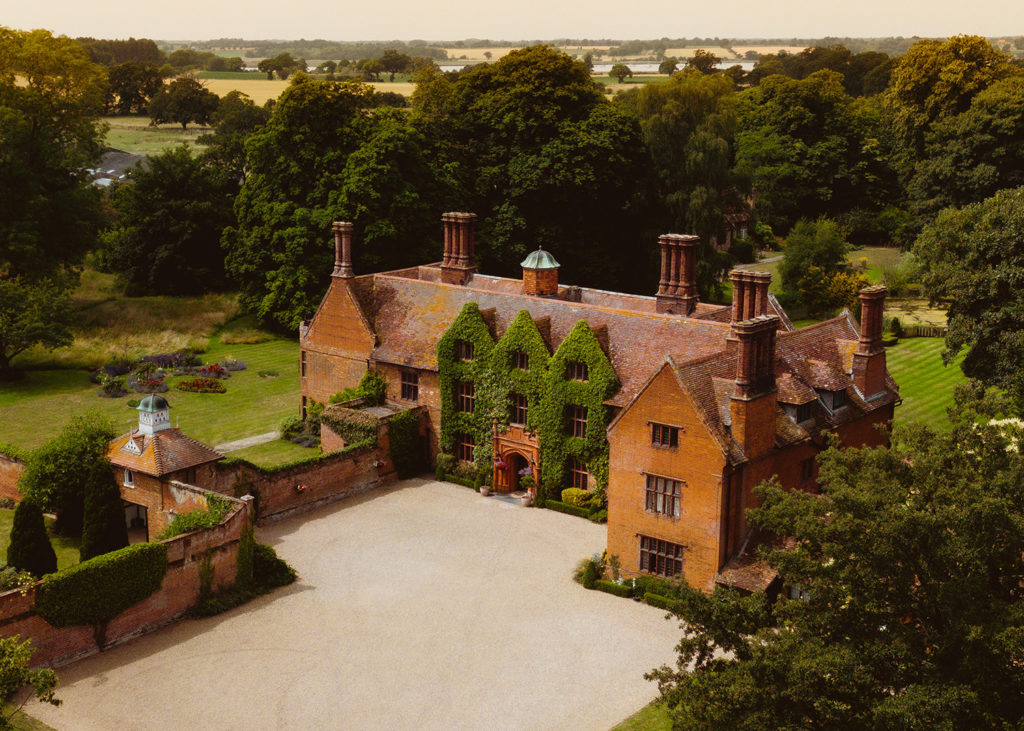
x=424, y=606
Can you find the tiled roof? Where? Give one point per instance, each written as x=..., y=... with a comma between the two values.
x=165, y=452
x=812, y=357
x=746, y=570
x=410, y=316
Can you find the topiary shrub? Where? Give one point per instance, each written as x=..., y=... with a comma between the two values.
x=103, y=526
x=574, y=496
x=97, y=590
x=30, y=549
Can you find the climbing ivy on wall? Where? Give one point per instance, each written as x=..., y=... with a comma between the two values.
x=559, y=392
x=468, y=326
x=545, y=385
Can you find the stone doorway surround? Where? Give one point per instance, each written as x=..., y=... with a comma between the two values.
x=514, y=441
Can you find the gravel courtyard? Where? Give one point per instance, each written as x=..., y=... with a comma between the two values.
x=424, y=606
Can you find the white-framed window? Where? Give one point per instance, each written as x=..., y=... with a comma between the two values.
x=129, y=478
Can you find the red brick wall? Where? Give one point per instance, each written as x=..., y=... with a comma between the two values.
x=336, y=346
x=429, y=397
x=56, y=646
x=698, y=462
x=10, y=470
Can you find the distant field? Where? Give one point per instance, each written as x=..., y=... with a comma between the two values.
x=136, y=135
x=232, y=75
x=476, y=55
x=926, y=385
x=261, y=89
x=768, y=49
x=691, y=50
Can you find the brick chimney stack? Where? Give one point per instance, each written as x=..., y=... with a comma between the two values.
x=677, y=288
x=868, y=369
x=342, y=249
x=459, y=261
x=749, y=294
x=753, y=403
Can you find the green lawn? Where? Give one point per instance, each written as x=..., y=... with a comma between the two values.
x=136, y=135
x=926, y=385
x=273, y=453
x=33, y=409
x=22, y=722
x=652, y=717
x=65, y=548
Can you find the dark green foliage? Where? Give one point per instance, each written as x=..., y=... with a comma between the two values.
x=864, y=74
x=912, y=559
x=689, y=126
x=103, y=524
x=610, y=587
x=809, y=150
x=406, y=445
x=973, y=258
x=96, y=591
x=372, y=388
x=561, y=507
x=268, y=570
x=217, y=508
x=169, y=223
x=54, y=475
x=30, y=547
x=51, y=97
x=184, y=100
x=236, y=118
x=32, y=313
x=246, y=556
x=133, y=85
x=268, y=573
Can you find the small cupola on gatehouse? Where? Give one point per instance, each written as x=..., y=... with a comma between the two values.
x=154, y=414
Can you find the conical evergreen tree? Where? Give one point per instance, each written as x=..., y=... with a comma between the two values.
x=103, y=525
x=30, y=548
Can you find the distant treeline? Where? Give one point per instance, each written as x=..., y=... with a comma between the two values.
x=317, y=49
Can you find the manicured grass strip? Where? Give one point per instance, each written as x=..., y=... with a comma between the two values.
x=926, y=385
x=65, y=548
x=34, y=409
x=652, y=717
x=22, y=722
x=274, y=453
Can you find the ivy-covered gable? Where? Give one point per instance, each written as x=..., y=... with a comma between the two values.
x=522, y=344
x=453, y=367
x=565, y=388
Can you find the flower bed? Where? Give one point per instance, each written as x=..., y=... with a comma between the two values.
x=213, y=370
x=143, y=383
x=202, y=385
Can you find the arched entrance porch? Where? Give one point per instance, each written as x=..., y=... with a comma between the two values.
x=516, y=454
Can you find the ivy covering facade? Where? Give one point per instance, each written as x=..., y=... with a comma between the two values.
x=520, y=363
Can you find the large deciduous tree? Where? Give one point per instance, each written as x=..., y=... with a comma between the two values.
x=56, y=474
x=689, y=126
x=51, y=97
x=542, y=158
x=324, y=156
x=32, y=312
x=703, y=61
x=973, y=258
x=132, y=86
x=169, y=222
x=183, y=101
x=809, y=150
x=911, y=565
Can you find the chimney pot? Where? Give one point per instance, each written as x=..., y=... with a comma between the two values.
x=459, y=261
x=677, y=286
x=342, y=249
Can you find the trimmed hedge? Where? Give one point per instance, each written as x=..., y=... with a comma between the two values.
x=14, y=452
x=610, y=587
x=97, y=590
x=464, y=481
x=661, y=602
x=563, y=508
x=268, y=572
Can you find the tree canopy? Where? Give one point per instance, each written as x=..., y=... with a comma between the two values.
x=170, y=218
x=51, y=97
x=973, y=258
x=183, y=101
x=911, y=566
x=32, y=312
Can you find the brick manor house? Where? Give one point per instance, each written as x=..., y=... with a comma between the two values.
x=675, y=407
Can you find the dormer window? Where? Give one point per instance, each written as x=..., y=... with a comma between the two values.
x=803, y=412
x=520, y=360
x=576, y=371
x=832, y=400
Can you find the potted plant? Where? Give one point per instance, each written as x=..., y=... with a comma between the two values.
x=485, y=489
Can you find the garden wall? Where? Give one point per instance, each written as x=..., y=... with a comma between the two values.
x=56, y=646
x=10, y=470
x=298, y=487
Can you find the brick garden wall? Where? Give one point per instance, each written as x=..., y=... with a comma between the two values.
x=56, y=646
x=10, y=470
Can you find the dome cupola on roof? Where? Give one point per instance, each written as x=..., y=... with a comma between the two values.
x=540, y=274
x=153, y=414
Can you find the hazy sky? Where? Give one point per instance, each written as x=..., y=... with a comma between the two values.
x=513, y=19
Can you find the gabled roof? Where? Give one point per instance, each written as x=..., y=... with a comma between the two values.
x=410, y=314
x=814, y=357
x=165, y=452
